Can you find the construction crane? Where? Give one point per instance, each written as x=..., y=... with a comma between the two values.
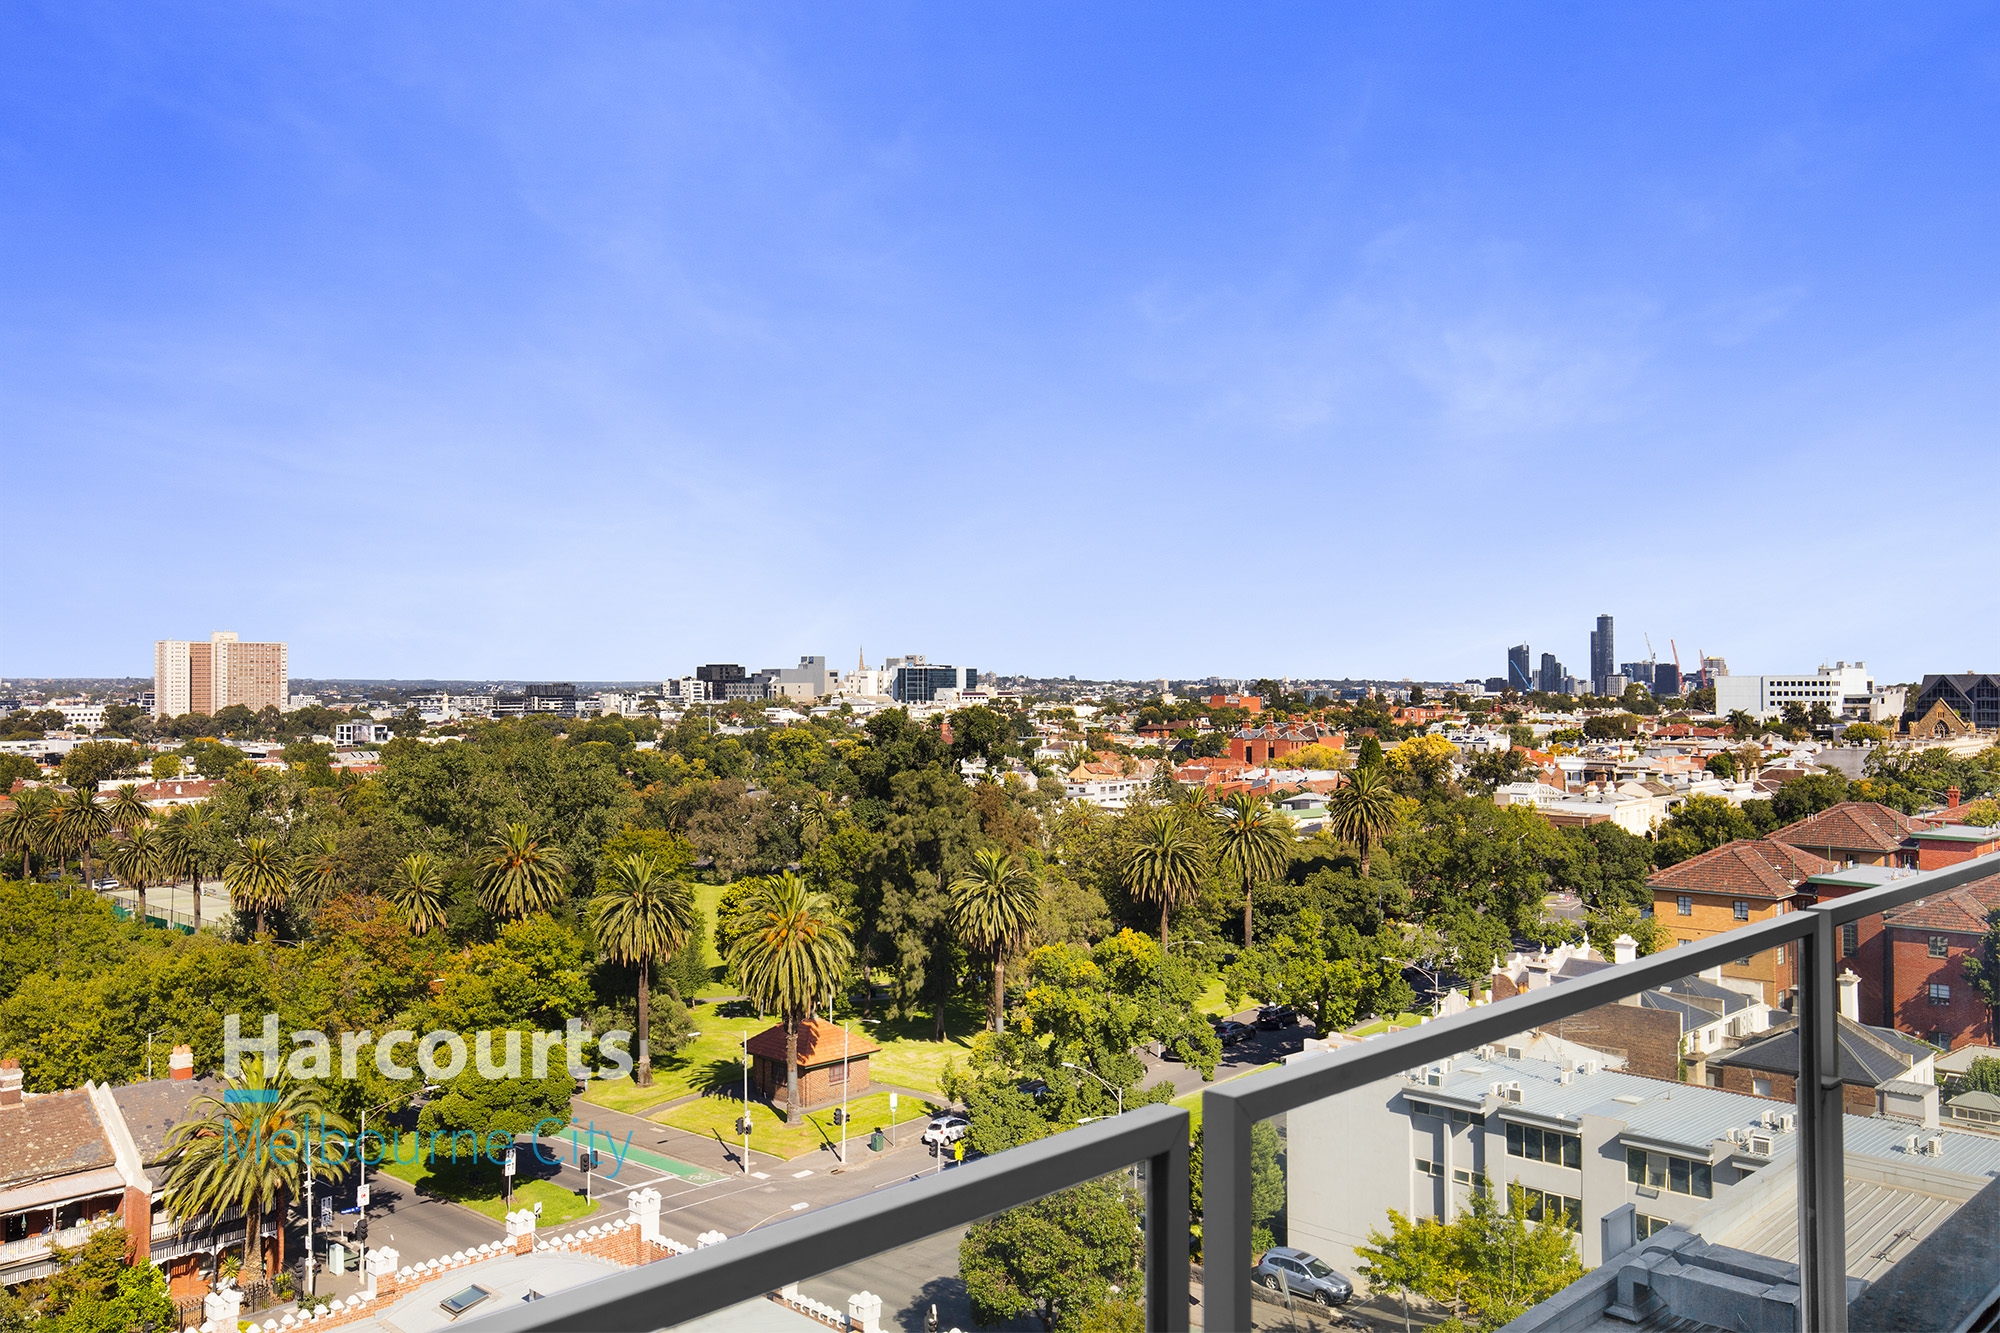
x=1651, y=656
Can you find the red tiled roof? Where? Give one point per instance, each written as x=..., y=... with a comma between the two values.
x=1745, y=868
x=51, y=1136
x=815, y=1035
x=1851, y=826
x=1963, y=909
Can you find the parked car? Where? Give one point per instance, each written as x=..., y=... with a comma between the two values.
x=1037, y=1088
x=1231, y=1032
x=945, y=1130
x=1307, y=1275
x=104, y=884
x=1272, y=1017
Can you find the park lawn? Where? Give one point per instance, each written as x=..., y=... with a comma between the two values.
x=716, y=1116
x=479, y=1187
x=1212, y=1000
x=1381, y=1025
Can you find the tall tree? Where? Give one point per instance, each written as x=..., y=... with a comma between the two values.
x=792, y=954
x=522, y=874
x=249, y=1152
x=643, y=914
x=186, y=835
x=417, y=889
x=318, y=872
x=1256, y=844
x=128, y=809
x=1362, y=810
x=1165, y=864
x=81, y=819
x=993, y=904
x=259, y=878
x=1061, y=1259
x=25, y=829
x=139, y=857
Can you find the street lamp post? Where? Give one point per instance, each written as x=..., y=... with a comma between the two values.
x=361, y=1169
x=1116, y=1091
x=746, y=1101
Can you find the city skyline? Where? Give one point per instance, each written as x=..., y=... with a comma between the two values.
x=542, y=344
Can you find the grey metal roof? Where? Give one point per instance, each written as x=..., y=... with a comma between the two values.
x=1884, y=1223
x=1959, y=833
x=1858, y=877
x=1978, y=1101
x=1868, y=1055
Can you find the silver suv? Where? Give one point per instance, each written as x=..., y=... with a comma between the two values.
x=1307, y=1275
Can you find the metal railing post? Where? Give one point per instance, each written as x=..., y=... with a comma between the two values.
x=1225, y=1213
x=1167, y=1240
x=1822, y=1155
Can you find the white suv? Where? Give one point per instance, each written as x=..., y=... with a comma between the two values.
x=946, y=1129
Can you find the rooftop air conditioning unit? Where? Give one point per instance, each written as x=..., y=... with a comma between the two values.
x=1760, y=1144
x=1513, y=1092
x=1513, y=1052
x=1588, y=1068
x=1910, y=1144
x=1768, y=1119
x=1434, y=1079
x=1934, y=1146
x=1565, y=1076
x=1485, y=1052
x=1788, y=1122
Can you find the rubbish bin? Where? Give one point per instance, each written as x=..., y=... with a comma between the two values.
x=336, y=1258
x=876, y=1141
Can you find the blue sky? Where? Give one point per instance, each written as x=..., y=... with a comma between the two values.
x=600, y=341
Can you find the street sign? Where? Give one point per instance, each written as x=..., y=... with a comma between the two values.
x=325, y=1211
x=361, y=1197
x=507, y=1169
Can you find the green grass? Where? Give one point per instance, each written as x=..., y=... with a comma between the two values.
x=479, y=1187
x=716, y=1116
x=712, y=1061
x=1384, y=1024
x=1211, y=1000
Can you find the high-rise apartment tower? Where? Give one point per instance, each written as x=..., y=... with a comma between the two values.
x=194, y=677
x=1518, y=675
x=1603, y=656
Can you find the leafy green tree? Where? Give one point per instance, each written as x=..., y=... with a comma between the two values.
x=1490, y=1263
x=1983, y=1075
x=1723, y=765
x=1095, y=1006
x=1606, y=866
x=994, y=903
x=251, y=1153
x=475, y=1104
x=260, y=878
x=1165, y=865
x=1326, y=971
x=1410, y=1256
x=17, y=768
x=417, y=890
x=165, y=766
x=1058, y=1259
x=792, y=955
x=1982, y=965
x=1256, y=844
x=1363, y=808
x=642, y=915
x=522, y=873
x=93, y=763
x=1002, y=1117
x=1702, y=824
x=96, y=1289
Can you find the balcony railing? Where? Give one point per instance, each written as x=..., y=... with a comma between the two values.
x=661, y=1295
x=36, y=1247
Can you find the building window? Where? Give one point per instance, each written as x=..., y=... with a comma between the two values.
x=1679, y=1175
x=1645, y=1227
x=1761, y=1085
x=1742, y=909
x=1545, y=1145
x=1850, y=938
x=1684, y=905
x=1940, y=946
x=1430, y=1168
x=1940, y=993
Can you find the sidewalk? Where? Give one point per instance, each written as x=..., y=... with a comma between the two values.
x=725, y=1156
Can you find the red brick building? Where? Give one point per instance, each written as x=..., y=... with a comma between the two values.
x=1250, y=703
x=1267, y=745
x=833, y=1062
x=1738, y=884
x=1936, y=848
x=1854, y=833
x=1927, y=942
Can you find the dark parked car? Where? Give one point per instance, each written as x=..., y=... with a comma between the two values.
x=1231, y=1032
x=1272, y=1017
x=1307, y=1275
x=1037, y=1088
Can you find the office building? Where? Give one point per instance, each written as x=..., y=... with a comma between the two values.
x=1603, y=656
x=1844, y=687
x=719, y=676
x=194, y=677
x=1518, y=677
x=1712, y=670
x=917, y=681
x=1641, y=672
x=1549, y=680
x=1666, y=679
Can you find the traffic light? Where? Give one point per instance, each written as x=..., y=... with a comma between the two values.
x=839, y=1115
x=742, y=1126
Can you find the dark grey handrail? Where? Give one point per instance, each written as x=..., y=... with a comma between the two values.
x=672, y=1291
x=1228, y=1112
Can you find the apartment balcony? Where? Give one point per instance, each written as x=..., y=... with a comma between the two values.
x=1673, y=1205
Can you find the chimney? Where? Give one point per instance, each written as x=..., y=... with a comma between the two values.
x=10, y=1084
x=1951, y=795
x=1850, y=995
x=180, y=1065
x=1624, y=949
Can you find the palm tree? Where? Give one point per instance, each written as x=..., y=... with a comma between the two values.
x=1256, y=843
x=794, y=951
x=80, y=820
x=259, y=877
x=1164, y=866
x=994, y=903
x=417, y=889
x=317, y=873
x=642, y=916
x=815, y=815
x=1362, y=810
x=24, y=830
x=1741, y=724
x=184, y=836
x=523, y=874
x=223, y=1155
x=128, y=809
x=139, y=857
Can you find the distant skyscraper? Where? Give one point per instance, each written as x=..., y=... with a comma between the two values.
x=1518, y=677
x=1550, y=679
x=194, y=677
x=1603, y=655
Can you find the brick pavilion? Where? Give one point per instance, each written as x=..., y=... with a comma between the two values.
x=833, y=1062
